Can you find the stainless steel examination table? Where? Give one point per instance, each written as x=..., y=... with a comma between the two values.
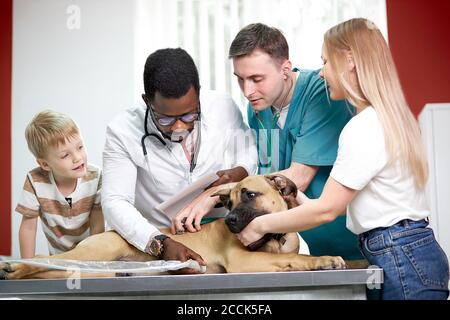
x=332, y=284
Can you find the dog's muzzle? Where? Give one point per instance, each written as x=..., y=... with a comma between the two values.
x=241, y=216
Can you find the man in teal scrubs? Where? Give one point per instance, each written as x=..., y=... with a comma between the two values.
x=297, y=126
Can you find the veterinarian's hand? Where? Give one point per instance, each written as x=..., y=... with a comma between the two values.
x=251, y=233
x=230, y=175
x=174, y=250
x=189, y=217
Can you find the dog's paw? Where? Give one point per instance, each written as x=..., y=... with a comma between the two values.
x=14, y=271
x=5, y=269
x=330, y=263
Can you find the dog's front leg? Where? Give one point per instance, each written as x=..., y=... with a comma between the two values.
x=245, y=261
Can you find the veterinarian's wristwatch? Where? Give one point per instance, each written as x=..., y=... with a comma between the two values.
x=156, y=246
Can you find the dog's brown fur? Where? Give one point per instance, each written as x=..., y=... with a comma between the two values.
x=219, y=247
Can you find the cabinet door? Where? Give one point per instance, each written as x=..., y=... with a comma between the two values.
x=435, y=125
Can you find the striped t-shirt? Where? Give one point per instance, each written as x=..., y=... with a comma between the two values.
x=65, y=222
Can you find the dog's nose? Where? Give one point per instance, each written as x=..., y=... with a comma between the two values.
x=231, y=218
x=231, y=221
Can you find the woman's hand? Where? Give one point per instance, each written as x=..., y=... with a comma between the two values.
x=190, y=216
x=255, y=230
x=252, y=232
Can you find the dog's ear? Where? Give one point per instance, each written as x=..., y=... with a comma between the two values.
x=224, y=193
x=286, y=187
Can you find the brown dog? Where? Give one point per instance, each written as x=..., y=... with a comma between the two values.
x=223, y=252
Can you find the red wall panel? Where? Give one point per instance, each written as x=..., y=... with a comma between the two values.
x=419, y=38
x=5, y=125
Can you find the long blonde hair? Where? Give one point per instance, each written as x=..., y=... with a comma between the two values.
x=377, y=84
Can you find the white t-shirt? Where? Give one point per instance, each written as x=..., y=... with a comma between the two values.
x=283, y=116
x=385, y=195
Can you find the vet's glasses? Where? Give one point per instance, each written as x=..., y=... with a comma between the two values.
x=165, y=121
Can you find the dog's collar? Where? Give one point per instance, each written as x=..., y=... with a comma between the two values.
x=280, y=237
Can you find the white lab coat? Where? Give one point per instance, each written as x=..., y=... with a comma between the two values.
x=131, y=188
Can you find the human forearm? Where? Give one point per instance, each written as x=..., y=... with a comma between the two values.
x=332, y=203
x=300, y=174
x=118, y=198
x=96, y=220
x=124, y=218
x=304, y=217
x=119, y=191
x=27, y=237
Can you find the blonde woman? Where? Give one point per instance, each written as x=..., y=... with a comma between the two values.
x=380, y=171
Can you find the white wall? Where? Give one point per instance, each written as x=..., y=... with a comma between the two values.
x=86, y=73
x=206, y=28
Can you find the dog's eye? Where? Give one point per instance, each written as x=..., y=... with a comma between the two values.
x=247, y=195
x=250, y=194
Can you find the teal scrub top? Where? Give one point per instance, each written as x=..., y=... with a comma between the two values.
x=309, y=136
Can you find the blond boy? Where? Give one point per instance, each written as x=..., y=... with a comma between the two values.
x=64, y=191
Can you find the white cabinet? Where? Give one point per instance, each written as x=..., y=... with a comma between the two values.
x=435, y=124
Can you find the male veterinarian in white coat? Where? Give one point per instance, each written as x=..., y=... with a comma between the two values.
x=153, y=152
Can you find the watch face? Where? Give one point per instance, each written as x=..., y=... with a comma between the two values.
x=156, y=248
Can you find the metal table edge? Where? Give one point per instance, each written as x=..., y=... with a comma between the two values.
x=171, y=284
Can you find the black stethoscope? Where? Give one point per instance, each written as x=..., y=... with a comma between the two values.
x=160, y=138
x=148, y=134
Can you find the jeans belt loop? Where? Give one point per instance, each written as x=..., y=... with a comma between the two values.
x=405, y=223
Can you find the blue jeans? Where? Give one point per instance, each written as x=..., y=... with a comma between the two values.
x=414, y=265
